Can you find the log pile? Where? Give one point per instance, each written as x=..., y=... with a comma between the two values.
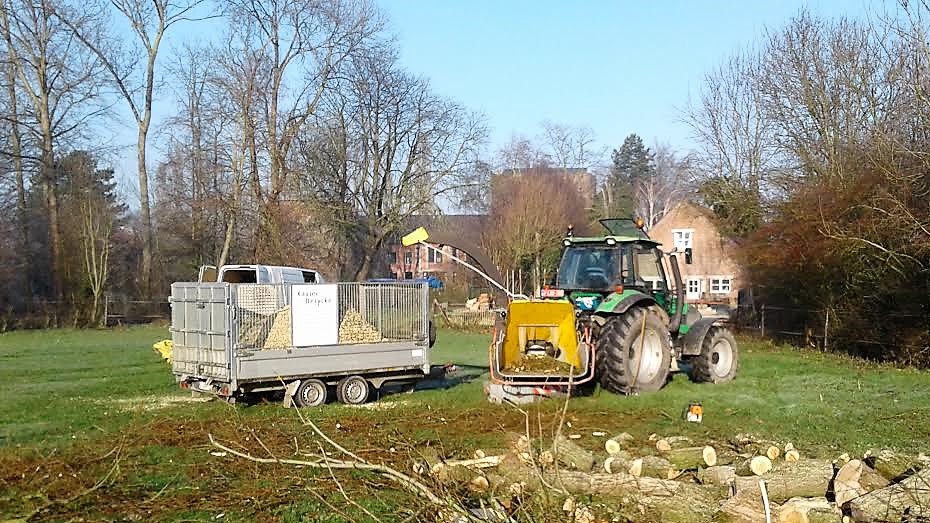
x=678, y=479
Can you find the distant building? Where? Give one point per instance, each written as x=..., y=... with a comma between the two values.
x=714, y=276
x=417, y=261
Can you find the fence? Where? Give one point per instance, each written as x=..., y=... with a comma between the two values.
x=884, y=335
x=117, y=311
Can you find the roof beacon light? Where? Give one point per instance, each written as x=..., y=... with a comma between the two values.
x=639, y=223
x=611, y=241
x=571, y=231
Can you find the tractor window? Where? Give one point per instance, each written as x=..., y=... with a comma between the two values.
x=649, y=273
x=589, y=267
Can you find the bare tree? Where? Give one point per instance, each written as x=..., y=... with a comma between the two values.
x=570, y=146
x=303, y=45
x=658, y=192
x=392, y=148
x=149, y=20
x=60, y=83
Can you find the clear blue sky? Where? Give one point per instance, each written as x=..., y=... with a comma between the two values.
x=616, y=66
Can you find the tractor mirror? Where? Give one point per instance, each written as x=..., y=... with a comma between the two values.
x=688, y=256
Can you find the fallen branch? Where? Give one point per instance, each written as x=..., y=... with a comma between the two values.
x=330, y=463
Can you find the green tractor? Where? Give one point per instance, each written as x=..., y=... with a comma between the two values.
x=640, y=330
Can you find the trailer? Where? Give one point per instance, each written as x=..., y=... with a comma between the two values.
x=309, y=340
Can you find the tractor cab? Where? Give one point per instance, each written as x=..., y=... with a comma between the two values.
x=599, y=269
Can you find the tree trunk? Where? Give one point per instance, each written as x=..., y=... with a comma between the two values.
x=891, y=465
x=145, y=214
x=804, y=479
x=691, y=458
x=718, y=475
x=22, y=217
x=571, y=455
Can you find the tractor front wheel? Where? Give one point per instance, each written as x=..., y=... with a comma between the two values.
x=719, y=357
x=633, y=358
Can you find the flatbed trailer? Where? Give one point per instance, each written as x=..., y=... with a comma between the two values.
x=309, y=340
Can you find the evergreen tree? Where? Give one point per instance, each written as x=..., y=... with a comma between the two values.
x=631, y=163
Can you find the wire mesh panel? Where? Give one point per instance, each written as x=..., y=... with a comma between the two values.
x=258, y=308
x=367, y=313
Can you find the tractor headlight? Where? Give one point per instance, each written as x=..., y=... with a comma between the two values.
x=611, y=241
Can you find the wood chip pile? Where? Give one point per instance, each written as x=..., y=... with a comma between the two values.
x=676, y=479
x=538, y=364
x=279, y=337
x=354, y=329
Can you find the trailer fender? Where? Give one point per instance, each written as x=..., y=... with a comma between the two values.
x=693, y=339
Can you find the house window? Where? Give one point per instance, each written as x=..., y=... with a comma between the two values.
x=408, y=258
x=720, y=285
x=431, y=256
x=392, y=257
x=438, y=256
x=682, y=238
x=693, y=286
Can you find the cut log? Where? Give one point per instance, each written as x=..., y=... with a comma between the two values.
x=618, y=442
x=755, y=466
x=792, y=456
x=691, y=458
x=616, y=464
x=804, y=479
x=809, y=510
x=742, y=508
x=719, y=475
x=546, y=459
x=571, y=455
x=855, y=479
x=519, y=442
x=789, y=447
x=672, y=442
x=773, y=452
x=660, y=500
x=908, y=500
x=891, y=465
x=478, y=454
x=479, y=463
x=653, y=467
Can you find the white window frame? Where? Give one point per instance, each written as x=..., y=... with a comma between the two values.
x=700, y=287
x=717, y=281
x=683, y=239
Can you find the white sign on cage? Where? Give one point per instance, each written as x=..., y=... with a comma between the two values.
x=315, y=315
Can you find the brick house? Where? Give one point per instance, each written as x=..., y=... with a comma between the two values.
x=714, y=276
x=417, y=261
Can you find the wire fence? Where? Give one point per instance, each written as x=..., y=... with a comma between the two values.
x=886, y=335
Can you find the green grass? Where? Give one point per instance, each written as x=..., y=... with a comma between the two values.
x=68, y=398
x=59, y=385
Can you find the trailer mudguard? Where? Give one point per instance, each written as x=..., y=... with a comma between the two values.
x=694, y=337
x=618, y=303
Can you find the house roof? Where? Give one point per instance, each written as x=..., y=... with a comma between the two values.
x=465, y=226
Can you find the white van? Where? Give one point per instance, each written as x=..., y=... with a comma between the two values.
x=258, y=274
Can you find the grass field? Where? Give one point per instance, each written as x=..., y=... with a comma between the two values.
x=92, y=425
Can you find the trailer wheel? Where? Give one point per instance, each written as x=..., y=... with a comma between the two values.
x=353, y=390
x=310, y=393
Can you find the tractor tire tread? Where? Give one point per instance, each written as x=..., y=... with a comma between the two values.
x=614, y=341
x=701, y=364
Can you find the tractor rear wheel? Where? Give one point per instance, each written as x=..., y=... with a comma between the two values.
x=719, y=357
x=621, y=367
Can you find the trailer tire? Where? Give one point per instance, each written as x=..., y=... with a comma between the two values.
x=310, y=393
x=618, y=344
x=353, y=390
x=432, y=334
x=718, y=360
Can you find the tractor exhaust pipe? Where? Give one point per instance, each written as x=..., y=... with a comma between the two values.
x=675, y=321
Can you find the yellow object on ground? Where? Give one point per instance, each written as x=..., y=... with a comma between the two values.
x=551, y=321
x=164, y=349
